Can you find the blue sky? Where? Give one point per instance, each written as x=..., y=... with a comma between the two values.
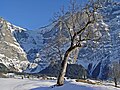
x=31, y=14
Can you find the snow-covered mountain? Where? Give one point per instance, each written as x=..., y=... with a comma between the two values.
x=11, y=54
x=97, y=61
x=98, y=66
x=21, y=48
x=33, y=43
x=19, y=45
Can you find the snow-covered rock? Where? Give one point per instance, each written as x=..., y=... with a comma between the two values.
x=11, y=53
x=98, y=61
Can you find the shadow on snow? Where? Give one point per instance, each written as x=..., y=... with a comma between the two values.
x=68, y=86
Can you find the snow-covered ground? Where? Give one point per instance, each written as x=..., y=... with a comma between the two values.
x=25, y=84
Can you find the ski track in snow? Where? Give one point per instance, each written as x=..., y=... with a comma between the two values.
x=25, y=84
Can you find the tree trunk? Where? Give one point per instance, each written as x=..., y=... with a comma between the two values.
x=62, y=73
x=115, y=80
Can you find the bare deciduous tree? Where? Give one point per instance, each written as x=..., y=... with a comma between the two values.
x=83, y=26
x=115, y=72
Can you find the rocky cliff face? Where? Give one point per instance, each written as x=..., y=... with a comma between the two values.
x=11, y=54
x=108, y=52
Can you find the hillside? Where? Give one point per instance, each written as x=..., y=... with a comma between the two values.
x=25, y=84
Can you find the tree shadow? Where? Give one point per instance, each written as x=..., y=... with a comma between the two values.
x=41, y=88
x=67, y=86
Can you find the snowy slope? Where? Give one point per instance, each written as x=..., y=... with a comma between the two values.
x=19, y=45
x=33, y=43
x=17, y=84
